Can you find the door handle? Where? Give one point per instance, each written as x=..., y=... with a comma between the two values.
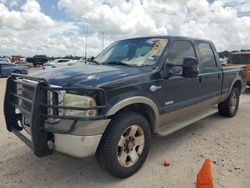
x=154, y=88
x=200, y=79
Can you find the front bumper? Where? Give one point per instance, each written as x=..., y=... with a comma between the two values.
x=80, y=128
x=77, y=146
x=28, y=100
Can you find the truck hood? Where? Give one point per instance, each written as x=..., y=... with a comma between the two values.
x=90, y=75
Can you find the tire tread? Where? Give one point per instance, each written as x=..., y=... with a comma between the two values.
x=103, y=155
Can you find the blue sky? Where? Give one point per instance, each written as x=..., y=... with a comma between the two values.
x=50, y=7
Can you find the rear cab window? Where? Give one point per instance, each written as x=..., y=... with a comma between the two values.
x=207, y=60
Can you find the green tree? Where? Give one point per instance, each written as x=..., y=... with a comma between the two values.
x=224, y=54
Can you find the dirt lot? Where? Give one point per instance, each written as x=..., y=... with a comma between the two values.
x=225, y=141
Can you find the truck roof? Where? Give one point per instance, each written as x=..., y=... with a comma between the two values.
x=170, y=37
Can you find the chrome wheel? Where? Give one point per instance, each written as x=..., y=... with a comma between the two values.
x=130, y=146
x=233, y=102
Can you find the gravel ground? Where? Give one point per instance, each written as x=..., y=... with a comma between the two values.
x=226, y=141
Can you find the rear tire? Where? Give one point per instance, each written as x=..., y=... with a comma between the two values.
x=229, y=107
x=124, y=145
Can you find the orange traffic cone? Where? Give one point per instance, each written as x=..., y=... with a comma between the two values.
x=204, y=177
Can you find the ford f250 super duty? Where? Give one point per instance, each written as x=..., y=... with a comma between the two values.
x=111, y=106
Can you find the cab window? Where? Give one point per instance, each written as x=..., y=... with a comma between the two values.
x=180, y=51
x=207, y=58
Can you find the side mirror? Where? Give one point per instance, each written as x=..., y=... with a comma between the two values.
x=89, y=59
x=190, y=67
x=171, y=69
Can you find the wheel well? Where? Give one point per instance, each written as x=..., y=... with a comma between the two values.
x=143, y=109
x=238, y=85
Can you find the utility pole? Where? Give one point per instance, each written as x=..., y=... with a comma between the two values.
x=102, y=40
x=86, y=43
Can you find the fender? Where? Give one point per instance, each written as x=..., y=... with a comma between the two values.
x=226, y=95
x=233, y=82
x=135, y=100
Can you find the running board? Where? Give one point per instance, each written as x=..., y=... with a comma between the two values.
x=177, y=125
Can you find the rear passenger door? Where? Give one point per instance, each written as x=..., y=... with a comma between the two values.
x=210, y=74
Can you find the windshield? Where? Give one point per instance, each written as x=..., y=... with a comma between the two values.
x=239, y=59
x=133, y=52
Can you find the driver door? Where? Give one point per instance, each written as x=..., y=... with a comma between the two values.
x=178, y=93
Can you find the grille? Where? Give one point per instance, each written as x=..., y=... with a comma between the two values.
x=39, y=102
x=26, y=92
x=36, y=99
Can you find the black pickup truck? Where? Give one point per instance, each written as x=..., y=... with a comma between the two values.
x=110, y=107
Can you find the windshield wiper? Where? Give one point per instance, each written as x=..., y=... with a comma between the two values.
x=116, y=63
x=92, y=60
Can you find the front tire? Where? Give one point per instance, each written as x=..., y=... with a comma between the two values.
x=125, y=144
x=229, y=107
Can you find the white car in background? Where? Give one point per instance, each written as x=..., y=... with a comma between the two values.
x=82, y=60
x=59, y=63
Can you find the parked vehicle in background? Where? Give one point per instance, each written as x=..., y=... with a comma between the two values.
x=223, y=61
x=48, y=65
x=82, y=60
x=24, y=64
x=29, y=59
x=15, y=58
x=59, y=63
x=3, y=60
x=112, y=106
x=7, y=69
x=37, y=60
x=241, y=58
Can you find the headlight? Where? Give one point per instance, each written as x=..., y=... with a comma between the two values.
x=79, y=101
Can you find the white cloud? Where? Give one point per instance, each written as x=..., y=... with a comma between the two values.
x=244, y=7
x=30, y=17
x=215, y=21
x=29, y=31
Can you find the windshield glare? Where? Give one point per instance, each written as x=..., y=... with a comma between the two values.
x=239, y=59
x=133, y=52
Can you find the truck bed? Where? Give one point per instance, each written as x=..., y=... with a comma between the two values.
x=230, y=74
